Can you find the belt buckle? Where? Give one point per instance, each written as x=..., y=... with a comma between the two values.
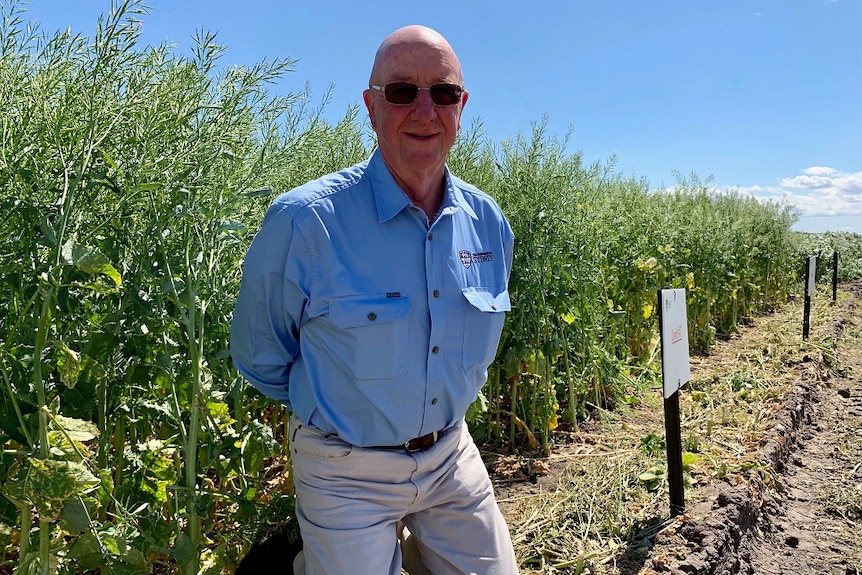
x=408, y=449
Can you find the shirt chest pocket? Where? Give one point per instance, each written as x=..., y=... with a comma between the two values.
x=485, y=312
x=375, y=334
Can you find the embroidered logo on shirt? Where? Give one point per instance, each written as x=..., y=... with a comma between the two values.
x=469, y=258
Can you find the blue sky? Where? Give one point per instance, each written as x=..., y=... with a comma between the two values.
x=764, y=96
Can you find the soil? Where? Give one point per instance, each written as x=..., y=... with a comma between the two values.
x=798, y=506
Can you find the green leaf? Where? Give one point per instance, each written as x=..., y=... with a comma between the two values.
x=174, y=286
x=76, y=515
x=106, y=487
x=134, y=562
x=259, y=192
x=114, y=544
x=184, y=550
x=109, y=160
x=148, y=187
x=89, y=260
x=231, y=225
x=87, y=551
x=478, y=407
x=48, y=231
x=689, y=459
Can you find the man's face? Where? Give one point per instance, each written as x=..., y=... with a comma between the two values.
x=415, y=138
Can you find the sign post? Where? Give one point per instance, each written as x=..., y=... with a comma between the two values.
x=676, y=371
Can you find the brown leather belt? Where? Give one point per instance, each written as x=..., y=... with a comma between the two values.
x=416, y=444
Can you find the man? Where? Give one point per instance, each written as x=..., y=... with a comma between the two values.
x=372, y=304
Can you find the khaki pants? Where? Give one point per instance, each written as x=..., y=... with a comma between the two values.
x=350, y=500
x=411, y=560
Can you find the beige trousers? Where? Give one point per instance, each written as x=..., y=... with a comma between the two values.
x=349, y=499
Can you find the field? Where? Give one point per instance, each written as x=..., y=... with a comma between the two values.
x=772, y=449
x=132, y=180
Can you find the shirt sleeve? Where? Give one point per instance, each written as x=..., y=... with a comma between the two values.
x=264, y=334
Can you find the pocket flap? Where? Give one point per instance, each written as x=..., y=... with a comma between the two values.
x=488, y=300
x=357, y=311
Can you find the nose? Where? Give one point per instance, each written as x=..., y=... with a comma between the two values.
x=423, y=105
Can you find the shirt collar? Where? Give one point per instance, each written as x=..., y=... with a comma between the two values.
x=391, y=199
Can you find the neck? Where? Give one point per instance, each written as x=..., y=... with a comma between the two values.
x=425, y=190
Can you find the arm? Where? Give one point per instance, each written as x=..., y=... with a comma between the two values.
x=264, y=335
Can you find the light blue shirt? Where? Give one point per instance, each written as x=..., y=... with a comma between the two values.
x=362, y=319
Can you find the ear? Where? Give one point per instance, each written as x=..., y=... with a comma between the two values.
x=464, y=95
x=368, y=98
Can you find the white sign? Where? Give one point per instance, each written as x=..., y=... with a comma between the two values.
x=812, y=274
x=675, y=366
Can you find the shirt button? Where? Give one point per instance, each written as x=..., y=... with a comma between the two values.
x=435, y=349
x=493, y=307
x=434, y=401
x=430, y=236
x=372, y=316
x=436, y=293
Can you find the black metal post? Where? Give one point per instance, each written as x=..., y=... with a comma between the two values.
x=674, y=454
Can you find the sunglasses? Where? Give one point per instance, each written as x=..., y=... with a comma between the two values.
x=404, y=93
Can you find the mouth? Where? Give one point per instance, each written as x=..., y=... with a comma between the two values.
x=421, y=137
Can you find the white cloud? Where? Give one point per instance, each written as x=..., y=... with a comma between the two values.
x=818, y=191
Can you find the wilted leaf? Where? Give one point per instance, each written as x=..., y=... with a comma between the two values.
x=69, y=365
x=77, y=429
x=50, y=483
x=553, y=422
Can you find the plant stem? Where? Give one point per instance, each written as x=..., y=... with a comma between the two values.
x=195, y=335
x=39, y=384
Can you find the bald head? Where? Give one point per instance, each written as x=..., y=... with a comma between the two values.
x=409, y=44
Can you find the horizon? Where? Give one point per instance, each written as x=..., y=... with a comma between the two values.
x=759, y=97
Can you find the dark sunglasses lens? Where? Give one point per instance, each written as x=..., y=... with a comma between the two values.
x=445, y=94
x=401, y=92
